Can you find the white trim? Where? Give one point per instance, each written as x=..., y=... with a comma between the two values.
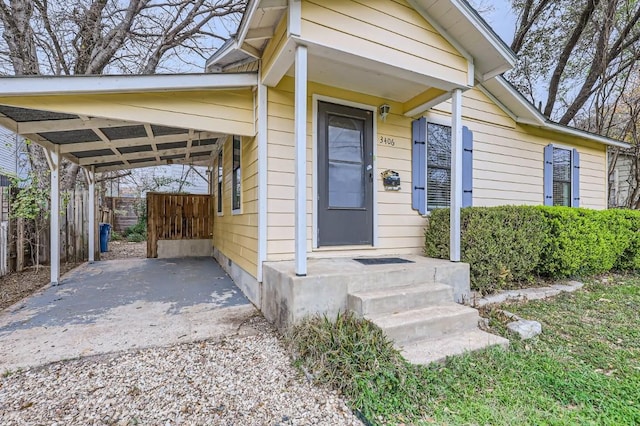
x=585, y=135
x=314, y=120
x=499, y=104
x=220, y=185
x=484, y=29
x=56, y=85
x=456, y=175
x=300, y=125
x=53, y=158
x=91, y=179
x=294, y=18
x=262, y=177
x=427, y=105
x=238, y=211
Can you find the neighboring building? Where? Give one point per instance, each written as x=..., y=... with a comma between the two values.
x=12, y=156
x=333, y=128
x=623, y=182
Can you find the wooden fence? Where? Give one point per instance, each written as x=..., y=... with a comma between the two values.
x=123, y=211
x=177, y=217
x=22, y=243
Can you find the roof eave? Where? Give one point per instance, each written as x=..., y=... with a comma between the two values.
x=69, y=85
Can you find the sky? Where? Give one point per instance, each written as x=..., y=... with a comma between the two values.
x=502, y=19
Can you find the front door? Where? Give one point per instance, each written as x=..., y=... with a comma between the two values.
x=345, y=175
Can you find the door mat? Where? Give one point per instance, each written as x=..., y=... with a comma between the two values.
x=382, y=260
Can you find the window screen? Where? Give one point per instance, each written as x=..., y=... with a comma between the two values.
x=438, y=166
x=561, y=177
x=236, y=184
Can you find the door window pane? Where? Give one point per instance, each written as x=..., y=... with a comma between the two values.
x=346, y=162
x=561, y=177
x=438, y=166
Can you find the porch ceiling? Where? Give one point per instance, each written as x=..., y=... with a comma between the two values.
x=110, y=144
x=123, y=122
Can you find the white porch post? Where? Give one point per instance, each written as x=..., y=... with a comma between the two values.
x=301, y=160
x=91, y=179
x=53, y=158
x=456, y=174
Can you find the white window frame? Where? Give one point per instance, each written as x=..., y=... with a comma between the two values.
x=570, y=149
x=442, y=121
x=220, y=182
x=236, y=211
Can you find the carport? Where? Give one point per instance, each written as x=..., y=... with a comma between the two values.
x=105, y=123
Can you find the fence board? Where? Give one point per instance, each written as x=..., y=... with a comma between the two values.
x=4, y=248
x=176, y=217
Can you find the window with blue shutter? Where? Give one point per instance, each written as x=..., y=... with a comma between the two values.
x=575, y=190
x=467, y=167
x=418, y=169
x=561, y=176
x=432, y=166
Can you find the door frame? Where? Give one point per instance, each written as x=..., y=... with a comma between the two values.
x=316, y=98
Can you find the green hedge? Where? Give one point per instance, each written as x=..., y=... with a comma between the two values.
x=512, y=245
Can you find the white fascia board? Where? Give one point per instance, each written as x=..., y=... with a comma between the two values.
x=534, y=115
x=47, y=85
x=210, y=64
x=585, y=135
x=496, y=42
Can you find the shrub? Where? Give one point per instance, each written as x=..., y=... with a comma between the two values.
x=138, y=228
x=584, y=242
x=115, y=236
x=503, y=245
x=510, y=245
x=136, y=238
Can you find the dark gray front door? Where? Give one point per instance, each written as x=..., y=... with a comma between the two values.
x=345, y=175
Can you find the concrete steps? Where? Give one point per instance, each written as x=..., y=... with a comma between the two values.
x=437, y=349
x=399, y=299
x=423, y=320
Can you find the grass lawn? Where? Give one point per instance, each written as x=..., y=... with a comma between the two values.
x=584, y=368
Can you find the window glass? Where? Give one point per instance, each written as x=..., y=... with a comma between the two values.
x=438, y=166
x=237, y=178
x=561, y=177
x=220, y=176
x=346, y=162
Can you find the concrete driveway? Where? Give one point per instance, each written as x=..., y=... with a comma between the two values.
x=120, y=305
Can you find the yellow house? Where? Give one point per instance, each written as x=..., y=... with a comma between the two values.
x=332, y=128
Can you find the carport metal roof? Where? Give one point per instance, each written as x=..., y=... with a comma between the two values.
x=107, y=143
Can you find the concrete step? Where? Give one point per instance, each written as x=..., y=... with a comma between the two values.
x=435, y=350
x=398, y=299
x=426, y=323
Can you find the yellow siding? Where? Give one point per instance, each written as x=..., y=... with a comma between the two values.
x=236, y=235
x=400, y=228
x=275, y=45
x=508, y=161
x=224, y=111
x=385, y=31
x=508, y=157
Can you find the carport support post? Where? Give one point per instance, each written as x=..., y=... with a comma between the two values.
x=91, y=180
x=456, y=174
x=301, y=160
x=53, y=158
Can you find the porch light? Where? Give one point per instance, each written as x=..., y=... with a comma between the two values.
x=384, y=111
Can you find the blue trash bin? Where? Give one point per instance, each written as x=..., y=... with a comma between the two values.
x=105, y=229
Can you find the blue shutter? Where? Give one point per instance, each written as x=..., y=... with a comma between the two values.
x=467, y=167
x=548, y=175
x=575, y=179
x=419, y=165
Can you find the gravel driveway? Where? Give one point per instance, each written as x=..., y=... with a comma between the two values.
x=239, y=380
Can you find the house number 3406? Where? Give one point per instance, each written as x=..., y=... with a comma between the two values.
x=387, y=141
